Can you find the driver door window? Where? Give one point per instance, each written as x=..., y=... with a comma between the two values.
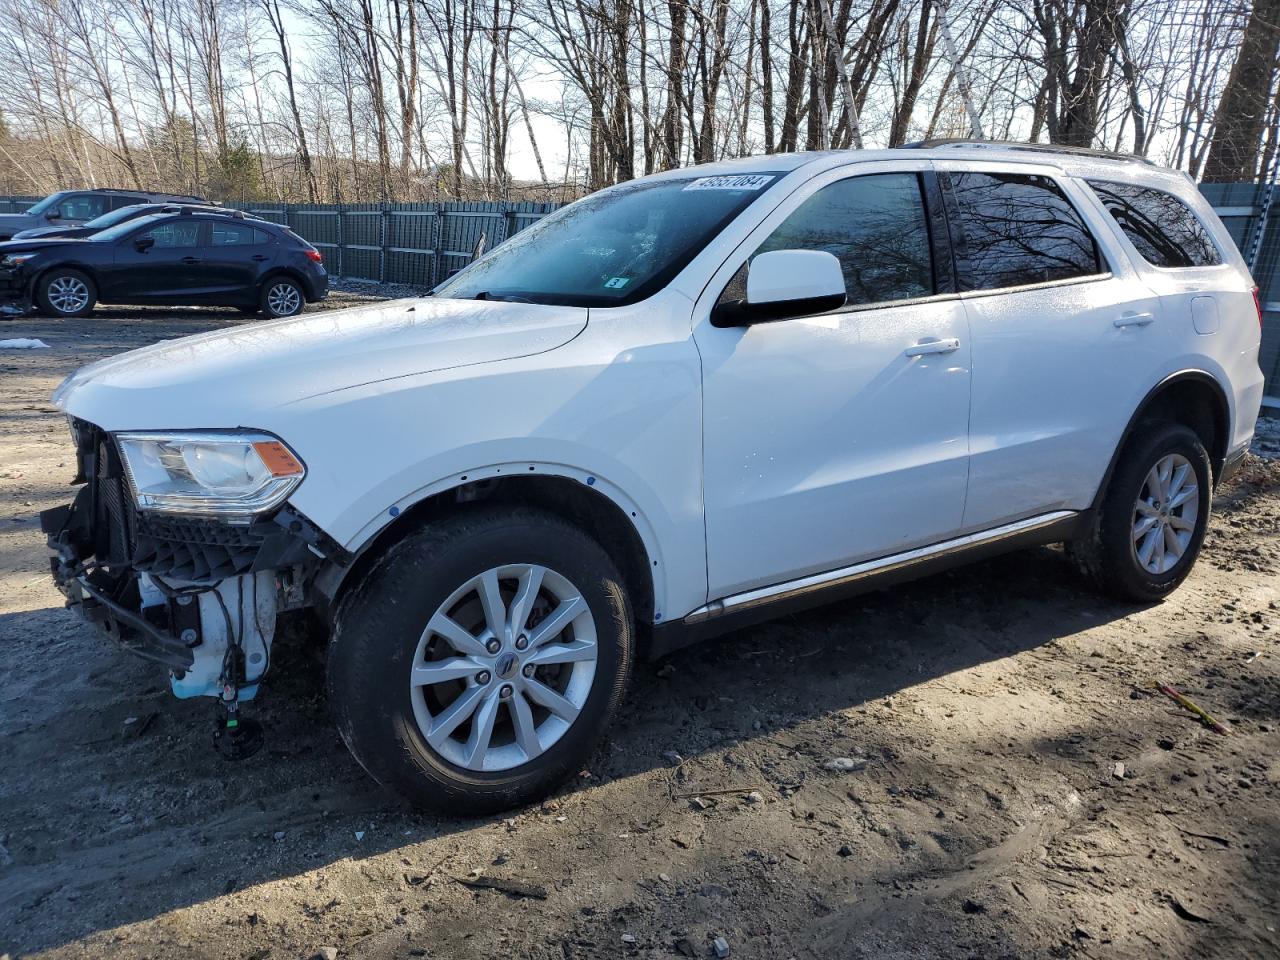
x=82, y=206
x=875, y=226
x=174, y=236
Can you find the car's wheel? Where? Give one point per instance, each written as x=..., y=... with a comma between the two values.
x=65, y=293
x=282, y=297
x=479, y=661
x=1148, y=531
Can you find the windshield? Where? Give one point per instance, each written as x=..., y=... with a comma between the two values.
x=611, y=248
x=125, y=228
x=116, y=216
x=48, y=203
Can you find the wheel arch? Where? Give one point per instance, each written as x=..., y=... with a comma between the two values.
x=285, y=271
x=1191, y=397
x=586, y=501
x=84, y=268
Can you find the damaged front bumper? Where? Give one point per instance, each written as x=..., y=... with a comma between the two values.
x=15, y=293
x=198, y=596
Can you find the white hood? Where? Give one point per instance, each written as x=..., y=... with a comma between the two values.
x=226, y=378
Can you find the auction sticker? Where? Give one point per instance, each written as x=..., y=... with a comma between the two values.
x=742, y=181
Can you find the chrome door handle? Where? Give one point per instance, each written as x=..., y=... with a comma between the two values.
x=1133, y=320
x=932, y=345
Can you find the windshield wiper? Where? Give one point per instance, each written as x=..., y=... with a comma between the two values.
x=504, y=297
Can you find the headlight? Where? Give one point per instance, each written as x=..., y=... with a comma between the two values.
x=231, y=476
x=15, y=259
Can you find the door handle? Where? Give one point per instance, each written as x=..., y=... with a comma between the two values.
x=932, y=345
x=1133, y=320
x=259, y=257
x=190, y=260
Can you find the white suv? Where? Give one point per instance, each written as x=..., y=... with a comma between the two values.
x=682, y=403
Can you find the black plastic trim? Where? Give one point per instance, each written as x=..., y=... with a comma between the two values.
x=668, y=637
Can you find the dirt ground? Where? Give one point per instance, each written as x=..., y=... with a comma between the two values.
x=1010, y=789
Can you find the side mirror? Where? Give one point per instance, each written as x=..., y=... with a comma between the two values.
x=785, y=283
x=143, y=244
x=54, y=214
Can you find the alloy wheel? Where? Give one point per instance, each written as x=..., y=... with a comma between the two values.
x=504, y=667
x=1165, y=513
x=68, y=294
x=284, y=300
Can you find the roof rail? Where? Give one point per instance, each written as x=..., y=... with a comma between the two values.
x=1030, y=147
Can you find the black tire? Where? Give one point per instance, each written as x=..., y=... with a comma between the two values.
x=1107, y=554
x=47, y=293
x=375, y=640
x=280, y=290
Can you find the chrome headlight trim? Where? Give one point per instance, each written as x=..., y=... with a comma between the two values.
x=230, y=475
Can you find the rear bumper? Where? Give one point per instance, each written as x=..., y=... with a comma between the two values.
x=317, y=285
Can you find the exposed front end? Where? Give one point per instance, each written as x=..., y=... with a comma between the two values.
x=194, y=583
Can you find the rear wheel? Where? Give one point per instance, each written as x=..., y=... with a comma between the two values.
x=65, y=293
x=282, y=297
x=1151, y=524
x=478, y=663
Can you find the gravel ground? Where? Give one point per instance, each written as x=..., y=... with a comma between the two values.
x=1007, y=786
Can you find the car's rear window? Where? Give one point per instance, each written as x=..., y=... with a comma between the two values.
x=1163, y=229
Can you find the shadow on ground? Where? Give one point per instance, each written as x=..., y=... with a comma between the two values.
x=117, y=819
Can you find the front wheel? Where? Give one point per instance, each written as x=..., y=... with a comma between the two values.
x=1149, y=529
x=479, y=661
x=65, y=293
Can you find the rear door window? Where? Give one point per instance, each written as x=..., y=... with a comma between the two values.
x=236, y=235
x=1161, y=227
x=875, y=226
x=1012, y=230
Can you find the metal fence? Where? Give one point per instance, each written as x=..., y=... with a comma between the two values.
x=421, y=244
x=1240, y=205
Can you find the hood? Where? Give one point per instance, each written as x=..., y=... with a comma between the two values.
x=229, y=378
x=12, y=222
x=37, y=243
x=50, y=233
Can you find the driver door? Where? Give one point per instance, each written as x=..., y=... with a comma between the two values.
x=167, y=268
x=840, y=437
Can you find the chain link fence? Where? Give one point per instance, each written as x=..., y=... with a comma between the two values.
x=422, y=244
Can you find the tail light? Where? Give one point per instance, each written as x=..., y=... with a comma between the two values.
x=1257, y=305
x=319, y=258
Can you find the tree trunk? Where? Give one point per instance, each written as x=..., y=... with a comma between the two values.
x=1242, y=111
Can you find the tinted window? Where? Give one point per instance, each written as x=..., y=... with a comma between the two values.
x=178, y=233
x=82, y=206
x=875, y=226
x=234, y=234
x=1160, y=226
x=1016, y=229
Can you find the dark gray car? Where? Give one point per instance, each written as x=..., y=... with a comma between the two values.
x=73, y=207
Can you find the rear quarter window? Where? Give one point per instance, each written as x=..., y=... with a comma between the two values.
x=1163, y=229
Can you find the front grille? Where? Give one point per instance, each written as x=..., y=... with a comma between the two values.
x=195, y=550
x=112, y=502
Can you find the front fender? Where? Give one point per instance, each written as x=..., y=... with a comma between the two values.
x=628, y=425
